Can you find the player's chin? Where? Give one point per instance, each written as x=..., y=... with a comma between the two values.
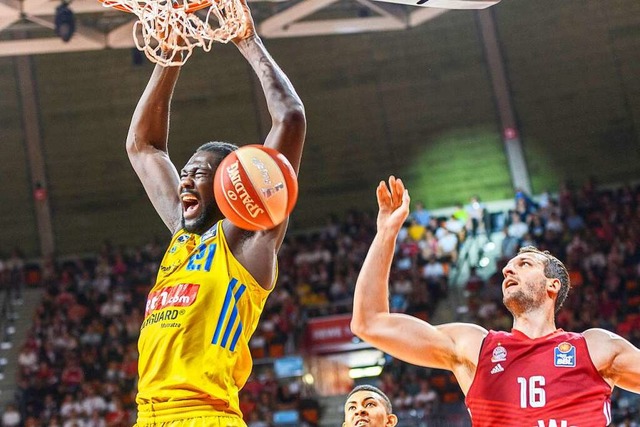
x=509, y=302
x=194, y=224
x=201, y=220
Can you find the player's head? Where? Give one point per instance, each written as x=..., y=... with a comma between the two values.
x=532, y=271
x=199, y=208
x=221, y=149
x=368, y=405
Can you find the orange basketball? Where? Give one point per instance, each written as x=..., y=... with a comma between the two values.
x=255, y=187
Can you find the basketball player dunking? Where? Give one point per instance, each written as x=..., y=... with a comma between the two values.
x=214, y=278
x=535, y=375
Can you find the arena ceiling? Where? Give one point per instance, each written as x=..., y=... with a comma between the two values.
x=27, y=27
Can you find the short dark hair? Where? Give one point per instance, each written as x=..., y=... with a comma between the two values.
x=553, y=269
x=376, y=390
x=222, y=149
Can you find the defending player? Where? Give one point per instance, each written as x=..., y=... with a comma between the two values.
x=368, y=406
x=214, y=278
x=535, y=375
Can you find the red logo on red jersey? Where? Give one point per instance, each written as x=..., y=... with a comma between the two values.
x=499, y=354
x=182, y=295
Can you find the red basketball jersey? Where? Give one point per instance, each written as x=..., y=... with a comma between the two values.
x=544, y=382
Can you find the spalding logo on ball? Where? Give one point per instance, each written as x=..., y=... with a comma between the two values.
x=255, y=187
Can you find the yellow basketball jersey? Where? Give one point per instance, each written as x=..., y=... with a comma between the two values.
x=200, y=314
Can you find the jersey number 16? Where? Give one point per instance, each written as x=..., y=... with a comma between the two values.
x=532, y=392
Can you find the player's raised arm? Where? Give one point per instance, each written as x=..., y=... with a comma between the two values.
x=147, y=145
x=287, y=134
x=452, y=346
x=288, y=122
x=617, y=360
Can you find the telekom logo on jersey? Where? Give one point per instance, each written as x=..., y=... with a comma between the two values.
x=182, y=295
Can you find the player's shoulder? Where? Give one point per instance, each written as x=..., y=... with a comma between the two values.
x=464, y=331
x=463, y=327
x=603, y=346
x=597, y=336
x=603, y=342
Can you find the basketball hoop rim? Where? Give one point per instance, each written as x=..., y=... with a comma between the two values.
x=191, y=7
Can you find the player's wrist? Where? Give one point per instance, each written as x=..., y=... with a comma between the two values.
x=387, y=232
x=248, y=41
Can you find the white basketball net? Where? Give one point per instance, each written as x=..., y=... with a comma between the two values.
x=171, y=29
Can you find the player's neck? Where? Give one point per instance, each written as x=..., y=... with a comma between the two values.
x=535, y=324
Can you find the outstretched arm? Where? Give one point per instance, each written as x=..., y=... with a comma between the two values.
x=147, y=145
x=617, y=360
x=288, y=122
x=452, y=346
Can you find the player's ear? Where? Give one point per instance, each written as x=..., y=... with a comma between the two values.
x=392, y=420
x=554, y=285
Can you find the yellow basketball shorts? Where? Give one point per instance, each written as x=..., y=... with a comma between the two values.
x=173, y=414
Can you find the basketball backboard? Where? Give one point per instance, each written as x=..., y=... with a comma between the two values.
x=447, y=4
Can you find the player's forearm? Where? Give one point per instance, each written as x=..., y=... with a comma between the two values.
x=283, y=102
x=150, y=122
x=371, y=297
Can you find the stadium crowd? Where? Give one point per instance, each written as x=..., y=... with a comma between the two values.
x=78, y=366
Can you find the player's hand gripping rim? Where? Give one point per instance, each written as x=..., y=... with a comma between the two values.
x=248, y=24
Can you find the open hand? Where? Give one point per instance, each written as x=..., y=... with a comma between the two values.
x=393, y=204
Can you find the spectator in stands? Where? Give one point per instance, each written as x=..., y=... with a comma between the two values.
x=11, y=417
x=525, y=205
x=255, y=420
x=369, y=405
x=69, y=405
x=517, y=228
x=402, y=400
x=426, y=398
x=536, y=225
x=420, y=214
x=487, y=309
x=96, y=419
x=510, y=244
x=457, y=226
x=116, y=414
x=435, y=276
x=475, y=283
x=448, y=242
x=287, y=395
x=429, y=246
x=415, y=230
x=92, y=402
x=15, y=267
x=75, y=419
x=49, y=408
x=55, y=421
x=460, y=214
x=554, y=224
x=478, y=217
x=574, y=220
x=28, y=359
